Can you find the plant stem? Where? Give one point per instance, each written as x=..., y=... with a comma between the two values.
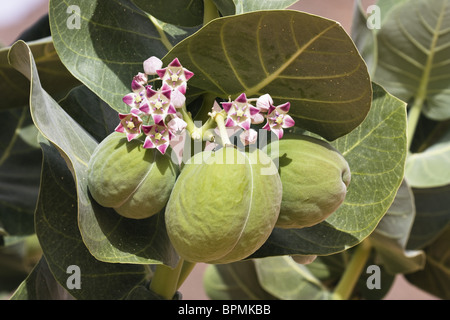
x=353, y=271
x=193, y=130
x=220, y=120
x=165, y=280
x=210, y=11
x=413, y=119
x=186, y=269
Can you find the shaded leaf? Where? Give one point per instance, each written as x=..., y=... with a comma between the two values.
x=294, y=56
x=432, y=215
x=62, y=242
x=20, y=169
x=435, y=277
x=87, y=109
x=234, y=281
x=176, y=12
x=109, y=236
x=376, y=152
x=392, y=233
x=41, y=285
x=288, y=280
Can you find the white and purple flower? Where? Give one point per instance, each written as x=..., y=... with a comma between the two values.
x=241, y=113
x=130, y=124
x=278, y=119
x=175, y=75
x=157, y=136
x=158, y=103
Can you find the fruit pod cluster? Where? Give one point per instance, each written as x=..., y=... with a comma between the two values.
x=224, y=204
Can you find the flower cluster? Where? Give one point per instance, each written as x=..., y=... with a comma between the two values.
x=159, y=105
x=241, y=114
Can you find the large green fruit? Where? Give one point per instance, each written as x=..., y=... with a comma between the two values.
x=224, y=205
x=315, y=178
x=136, y=182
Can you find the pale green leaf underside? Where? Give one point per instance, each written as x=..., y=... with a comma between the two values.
x=429, y=169
x=413, y=55
x=288, y=280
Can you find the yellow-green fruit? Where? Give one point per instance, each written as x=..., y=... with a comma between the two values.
x=315, y=178
x=224, y=205
x=136, y=182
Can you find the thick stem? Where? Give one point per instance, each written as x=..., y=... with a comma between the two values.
x=165, y=280
x=413, y=119
x=353, y=271
x=210, y=11
x=220, y=120
x=185, y=271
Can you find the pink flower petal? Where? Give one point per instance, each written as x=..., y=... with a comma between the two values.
x=242, y=98
x=264, y=102
x=175, y=63
x=257, y=118
x=227, y=106
x=120, y=128
x=230, y=122
x=284, y=107
x=162, y=148
x=245, y=124
x=248, y=137
x=288, y=121
x=151, y=65
x=129, y=99
x=148, y=144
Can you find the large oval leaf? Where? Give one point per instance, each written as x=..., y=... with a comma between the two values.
x=376, y=153
x=413, y=51
x=181, y=13
x=109, y=237
x=110, y=45
x=297, y=57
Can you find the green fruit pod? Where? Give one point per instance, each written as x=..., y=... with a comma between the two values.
x=315, y=177
x=136, y=182
x=223, y=206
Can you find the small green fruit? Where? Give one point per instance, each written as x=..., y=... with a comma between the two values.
x=224, y=205
x=315, y=178
x=136, y=182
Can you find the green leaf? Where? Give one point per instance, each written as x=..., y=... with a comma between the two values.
x=413, y=50
x=176, y=12
x=432, y=215
x=392, y=233
x=288, y=280
x=376, y=152
x=114, y=39
x=20, y=170
x=41, y=285
x=428, y=169
x=294, y=56
x=234, y=281
x=87, y=109
x=14, y=88
x=62, y=243
x=232, y=7
x=108, y=236
x=434, y=278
